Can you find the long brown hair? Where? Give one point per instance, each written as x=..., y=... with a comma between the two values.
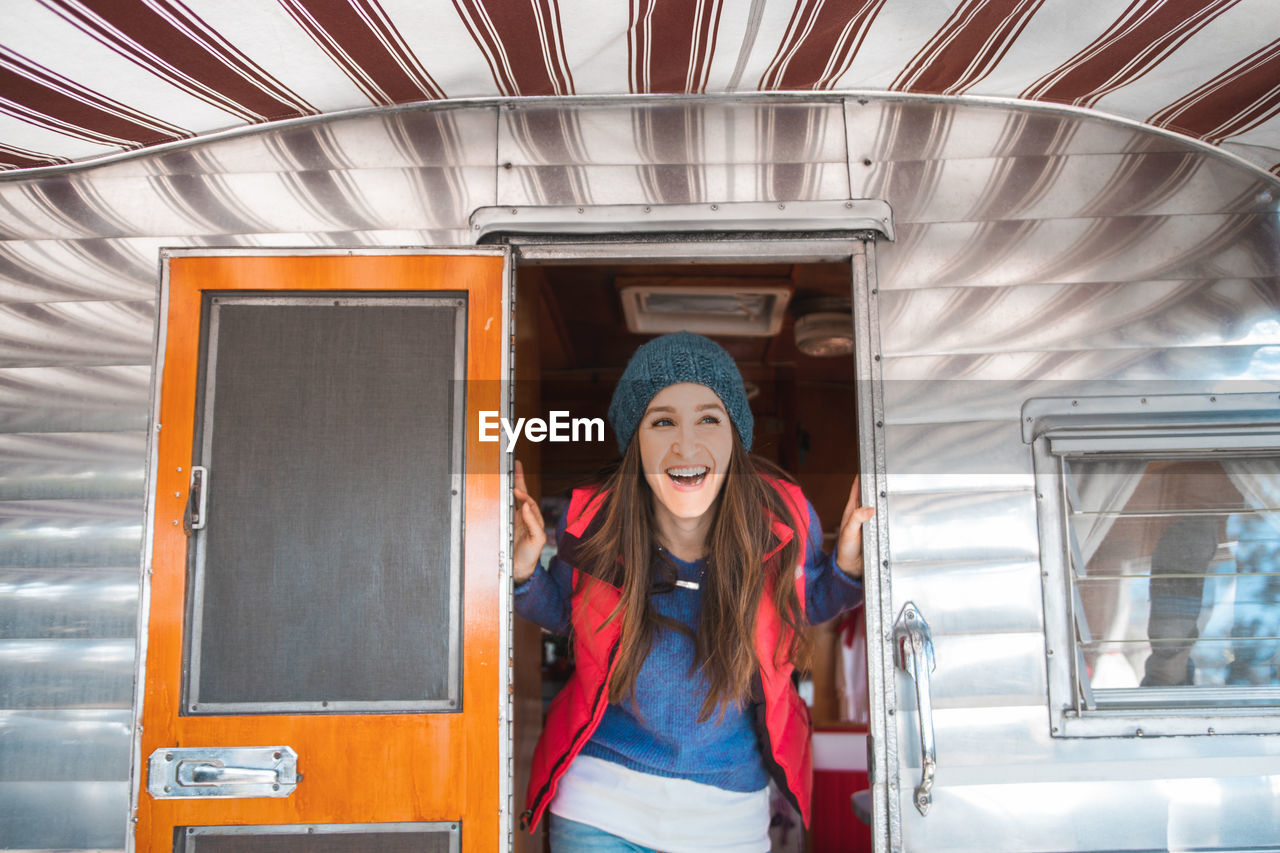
x=621, y=552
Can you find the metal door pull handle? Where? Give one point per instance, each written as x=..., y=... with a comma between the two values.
x=196, y=772
x=252, y=771
x=913, y=646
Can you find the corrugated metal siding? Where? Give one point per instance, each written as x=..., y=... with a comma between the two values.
x=1035, y=249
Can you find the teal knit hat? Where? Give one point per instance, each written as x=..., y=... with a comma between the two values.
x=670, y=360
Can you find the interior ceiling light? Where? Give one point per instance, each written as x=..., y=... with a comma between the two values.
x=824, y=326
x=735, y=311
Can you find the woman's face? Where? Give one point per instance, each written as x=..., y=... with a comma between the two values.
x=686, y=440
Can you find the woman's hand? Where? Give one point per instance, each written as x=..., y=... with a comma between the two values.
x=529, y=534
x=849, y=539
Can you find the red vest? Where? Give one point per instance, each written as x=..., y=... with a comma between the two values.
x=575, y=713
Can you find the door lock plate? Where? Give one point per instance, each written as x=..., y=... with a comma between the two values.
x=246, y=771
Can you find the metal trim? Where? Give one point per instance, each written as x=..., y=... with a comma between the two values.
x=744, y=216
x=1156, y=412
x=142, y=631
x=877, y=581
x=703, y=249
x=506, y=521
x=191, y=704
x=495, y=103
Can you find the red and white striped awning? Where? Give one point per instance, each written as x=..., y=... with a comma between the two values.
x=80, y=79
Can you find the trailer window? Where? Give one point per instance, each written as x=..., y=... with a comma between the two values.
x=1162, y=550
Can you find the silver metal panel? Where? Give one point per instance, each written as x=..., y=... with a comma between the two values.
x=54, y=673
x=1098, y=249
x=1009, y=592
x=75, y=333
x=1180, y=813
x=63, y=815
x=68, y=604
x=1020, y=736
x=989, y=526
x=71, y=465
x=672, y=153
x=33, y=745
x=1072, y=317
x=70, y=399
x=963, y=455
x=70, y=534
x=989, y=669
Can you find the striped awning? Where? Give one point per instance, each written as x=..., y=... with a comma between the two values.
x=80, y=79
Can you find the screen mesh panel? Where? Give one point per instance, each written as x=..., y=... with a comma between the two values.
x=424, y=841
x=327, y=556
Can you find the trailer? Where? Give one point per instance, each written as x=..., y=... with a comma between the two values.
x=278, y=283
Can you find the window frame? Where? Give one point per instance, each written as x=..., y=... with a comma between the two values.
x=1200, y=425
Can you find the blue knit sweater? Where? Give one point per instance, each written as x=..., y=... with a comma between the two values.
x=660, y=733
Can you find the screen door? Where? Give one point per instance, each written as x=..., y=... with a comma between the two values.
x=322, y=655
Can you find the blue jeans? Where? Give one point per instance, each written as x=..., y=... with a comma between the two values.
x=569, y=836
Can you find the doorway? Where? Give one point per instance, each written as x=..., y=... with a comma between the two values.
x=573, y=340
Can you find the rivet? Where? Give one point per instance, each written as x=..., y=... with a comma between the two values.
x=880, y=424
x=167, y=789
x=1075, y=402
x=195, y=707
x=647, y=209
x=175, y=522
x=514, y=211
x=275, y=786
x=848, y=204
x=884, y=563
x=890, y=712
x=506, y=165
x=580, y=210
x=884, y=494
x=1211, y=731
x=782, y=207
x=876, y=356
x=1055, y=730
x=866, y=161
x=177, y=494
x=179, y=467
x=1028, y=420
x=1143, y=401
x=715, y=207
x=1050, y=653
x=1139, y=733
x=168, y=756
x=1213, y=399
x=276, y=755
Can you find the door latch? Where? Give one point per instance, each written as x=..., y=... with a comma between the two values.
x=260, y=771
x=913, y=646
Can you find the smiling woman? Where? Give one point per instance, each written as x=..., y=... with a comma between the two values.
x=686, y=578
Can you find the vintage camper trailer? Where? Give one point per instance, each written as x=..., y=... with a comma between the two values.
x=269, y=269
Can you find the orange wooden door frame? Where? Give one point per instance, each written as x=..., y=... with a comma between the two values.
x=357, y=768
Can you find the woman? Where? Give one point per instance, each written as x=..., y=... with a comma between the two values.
x=686, y=580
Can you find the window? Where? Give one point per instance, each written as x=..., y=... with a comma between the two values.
x=1160, y=548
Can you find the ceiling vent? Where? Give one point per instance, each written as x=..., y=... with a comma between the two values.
x=730, y=311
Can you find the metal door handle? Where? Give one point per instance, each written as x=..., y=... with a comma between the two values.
x=913, y=646
x=263, y=771
x=193, y=772
x=198, y=500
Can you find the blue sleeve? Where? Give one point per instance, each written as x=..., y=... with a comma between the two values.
x=545, y=596
x=828, y=591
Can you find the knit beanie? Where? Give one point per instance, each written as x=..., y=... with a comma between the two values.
x=670, y=360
